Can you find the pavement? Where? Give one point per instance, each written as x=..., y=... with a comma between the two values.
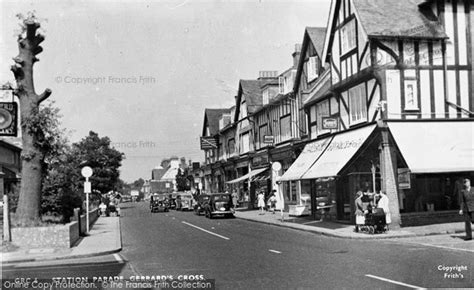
x=341, y=230
x=104, y=238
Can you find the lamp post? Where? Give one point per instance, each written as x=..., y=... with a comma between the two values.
x=87, y=172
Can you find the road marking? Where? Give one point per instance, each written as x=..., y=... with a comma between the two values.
x=394, y=282
x=274, y=251
x=217, y=235
x=118, y=258
x=445, y=247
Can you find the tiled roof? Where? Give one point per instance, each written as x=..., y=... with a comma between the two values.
x=212, y=116
x=252, y=92
x=317, y=36
x=400, y=18
x=322, y=88
x=157, y=173
x=170, y=174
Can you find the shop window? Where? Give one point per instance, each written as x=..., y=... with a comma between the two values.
x=348, y=36
x=358, y=104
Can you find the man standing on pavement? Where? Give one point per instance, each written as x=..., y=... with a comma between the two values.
x=466, y=201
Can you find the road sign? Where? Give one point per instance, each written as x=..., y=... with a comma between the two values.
x=276, y=166
x=86, y=171
x=87, y=187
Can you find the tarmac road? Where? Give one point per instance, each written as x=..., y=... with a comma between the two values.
x=245, y=255
x=239, y=254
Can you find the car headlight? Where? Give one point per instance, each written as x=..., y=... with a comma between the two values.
x=222, y=209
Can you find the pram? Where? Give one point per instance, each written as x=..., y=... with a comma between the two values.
x=372, y=222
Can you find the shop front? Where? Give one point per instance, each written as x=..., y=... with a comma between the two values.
x=436, y=156
x=331, y=170
x=247, y=185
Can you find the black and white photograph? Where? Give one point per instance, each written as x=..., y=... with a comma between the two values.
x=237, y=144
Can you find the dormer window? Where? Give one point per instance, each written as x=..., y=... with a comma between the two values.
x=312, y=67
x=266, y=97
x=348, y=36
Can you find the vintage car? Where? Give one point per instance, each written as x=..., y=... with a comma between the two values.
x=172, y=200
x=159, y=202
x=200, y=202
x=219, y=204
x=184, y=201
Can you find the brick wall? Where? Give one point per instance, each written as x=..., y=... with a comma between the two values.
x=429, y=218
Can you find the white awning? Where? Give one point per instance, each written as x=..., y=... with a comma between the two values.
x=311, y=152
x=248, y=175
x=341, y=149
x=431, y=147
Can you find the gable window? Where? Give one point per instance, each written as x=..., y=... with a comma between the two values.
x=266, y=97
x=411, y=90
x=312, y=66
x=358, y=104
x=348, y=36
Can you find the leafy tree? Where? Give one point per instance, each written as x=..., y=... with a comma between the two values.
x=96, y=152
x=138, y=184
x=35, y=137
x=182, y=180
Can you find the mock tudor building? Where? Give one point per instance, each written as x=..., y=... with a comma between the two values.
x=395, y=110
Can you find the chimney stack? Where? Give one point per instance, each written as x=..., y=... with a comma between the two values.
x=296, y=55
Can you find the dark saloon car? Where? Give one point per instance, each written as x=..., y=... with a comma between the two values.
x=201, y=201
x=219, y=204
x=184, y=201
x=159, y=202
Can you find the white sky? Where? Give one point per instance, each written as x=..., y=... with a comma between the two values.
x=149, y=68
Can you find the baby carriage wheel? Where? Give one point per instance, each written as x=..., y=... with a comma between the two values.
x=371, y=230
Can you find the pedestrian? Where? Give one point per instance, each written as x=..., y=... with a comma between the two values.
x=261, y=202
x=234, y=199
x=272, y=200
x=383, y=204
x=466, y=202
x=360, y=212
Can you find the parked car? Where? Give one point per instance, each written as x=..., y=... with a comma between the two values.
x=172, y=200
x=201, y=200
x=184, y=201
x=219, y=204
x=159, y=202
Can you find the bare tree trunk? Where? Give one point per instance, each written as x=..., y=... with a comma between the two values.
x=28, y=211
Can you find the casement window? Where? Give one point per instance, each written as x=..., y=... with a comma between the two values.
x=358, y=104
x=266, y=97
x=285, y=127
x=322, y=110
x=312, y=67
x=231, y=146
x=244, y=143
x=348, y=36
x=262, y=131
x=411, y=90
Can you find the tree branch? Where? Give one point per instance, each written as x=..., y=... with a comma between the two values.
x=44, y=95
x=31, y=27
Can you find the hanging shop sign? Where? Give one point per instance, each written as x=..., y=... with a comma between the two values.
x=330, y=123
x=208, y=143
x=404, y=178
x=8, y=119
x=268, y=139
